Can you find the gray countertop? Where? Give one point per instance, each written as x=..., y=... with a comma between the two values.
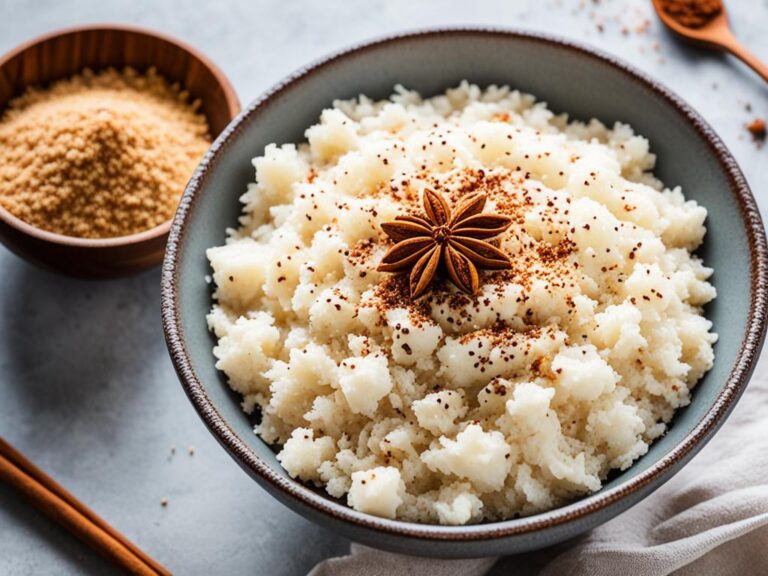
x=86, y=387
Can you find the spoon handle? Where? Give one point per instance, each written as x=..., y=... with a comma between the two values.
x=737, y=49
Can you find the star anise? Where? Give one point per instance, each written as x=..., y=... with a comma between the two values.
x=458, y=239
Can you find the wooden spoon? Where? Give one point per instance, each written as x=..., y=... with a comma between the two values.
x=715, y=34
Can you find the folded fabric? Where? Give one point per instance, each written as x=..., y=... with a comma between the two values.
x=710, y=519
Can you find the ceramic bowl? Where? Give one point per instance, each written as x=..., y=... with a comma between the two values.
x=63, y=53
x=570, y=78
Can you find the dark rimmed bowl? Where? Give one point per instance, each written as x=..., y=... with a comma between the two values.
x=570, y=78
x=62, y=53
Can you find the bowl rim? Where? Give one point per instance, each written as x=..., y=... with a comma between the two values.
x=732, y=388
x=162, y=229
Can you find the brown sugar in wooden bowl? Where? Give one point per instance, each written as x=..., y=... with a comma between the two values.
x=62, y=54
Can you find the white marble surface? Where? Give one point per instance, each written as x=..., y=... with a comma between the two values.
x=86, y=388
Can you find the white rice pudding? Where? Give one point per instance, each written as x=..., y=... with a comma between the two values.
x=454, y=409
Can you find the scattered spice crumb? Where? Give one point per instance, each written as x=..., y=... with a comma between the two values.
x=757, y=129
x=164, y=501
x=191, y=450
x=643, y=27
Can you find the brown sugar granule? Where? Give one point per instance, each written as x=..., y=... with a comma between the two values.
x=692, y=13
x=758, y=129
x=99, y=155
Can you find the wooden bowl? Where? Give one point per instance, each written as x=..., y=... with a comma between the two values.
x=64, y=53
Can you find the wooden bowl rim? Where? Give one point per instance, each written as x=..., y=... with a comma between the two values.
x=233, y=108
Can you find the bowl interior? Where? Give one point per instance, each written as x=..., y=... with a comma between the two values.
x=570, y=81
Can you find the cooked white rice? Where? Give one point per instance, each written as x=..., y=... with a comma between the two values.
x=454, y=409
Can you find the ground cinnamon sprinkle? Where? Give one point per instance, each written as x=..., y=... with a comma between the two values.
x=692, y=13
x=758, y=129
x=99, y=155
x=511, y=193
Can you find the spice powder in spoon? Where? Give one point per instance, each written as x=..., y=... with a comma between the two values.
x=99, y=155
x=692, y=13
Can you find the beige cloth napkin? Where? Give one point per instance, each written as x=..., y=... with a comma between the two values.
x=710, y=519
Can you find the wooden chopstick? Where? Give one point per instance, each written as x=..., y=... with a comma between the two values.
x=57, y=503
